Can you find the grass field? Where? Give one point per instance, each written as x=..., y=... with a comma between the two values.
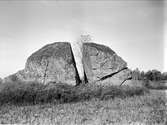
x=34, y=103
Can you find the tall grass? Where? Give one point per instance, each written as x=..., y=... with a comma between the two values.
x=35, y=93
x=86, y=104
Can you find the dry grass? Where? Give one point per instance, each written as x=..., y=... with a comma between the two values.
x=34, y=103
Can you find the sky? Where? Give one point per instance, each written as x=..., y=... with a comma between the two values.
x=134, y=29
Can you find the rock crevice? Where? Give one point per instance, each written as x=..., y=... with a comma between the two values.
x=112, y=74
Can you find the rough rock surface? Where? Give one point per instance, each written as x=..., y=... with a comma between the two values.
x=55, y=63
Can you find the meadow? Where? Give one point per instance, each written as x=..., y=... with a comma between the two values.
x=34, y=103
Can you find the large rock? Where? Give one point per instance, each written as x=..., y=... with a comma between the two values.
x=55, y=63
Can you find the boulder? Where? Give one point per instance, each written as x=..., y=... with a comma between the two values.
x=55, y=63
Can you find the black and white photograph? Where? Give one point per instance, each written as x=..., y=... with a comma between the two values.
x=83, y=62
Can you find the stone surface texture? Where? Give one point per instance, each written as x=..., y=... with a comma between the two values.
x=55, y=63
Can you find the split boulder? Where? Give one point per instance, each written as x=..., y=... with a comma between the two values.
x=55, y=63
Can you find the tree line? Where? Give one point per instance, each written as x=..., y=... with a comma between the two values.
x=152, y=75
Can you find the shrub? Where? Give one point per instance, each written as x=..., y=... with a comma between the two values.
x=18, y=92
x=33, y=93
x=122, y=92
x=13, y=78
x=1, y=80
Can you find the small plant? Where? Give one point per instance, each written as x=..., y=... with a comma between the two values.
x=13, y=78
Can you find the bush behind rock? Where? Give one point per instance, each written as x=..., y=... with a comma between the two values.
x=35, y=93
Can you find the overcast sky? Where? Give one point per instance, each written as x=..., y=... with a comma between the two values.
x=135, y=30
